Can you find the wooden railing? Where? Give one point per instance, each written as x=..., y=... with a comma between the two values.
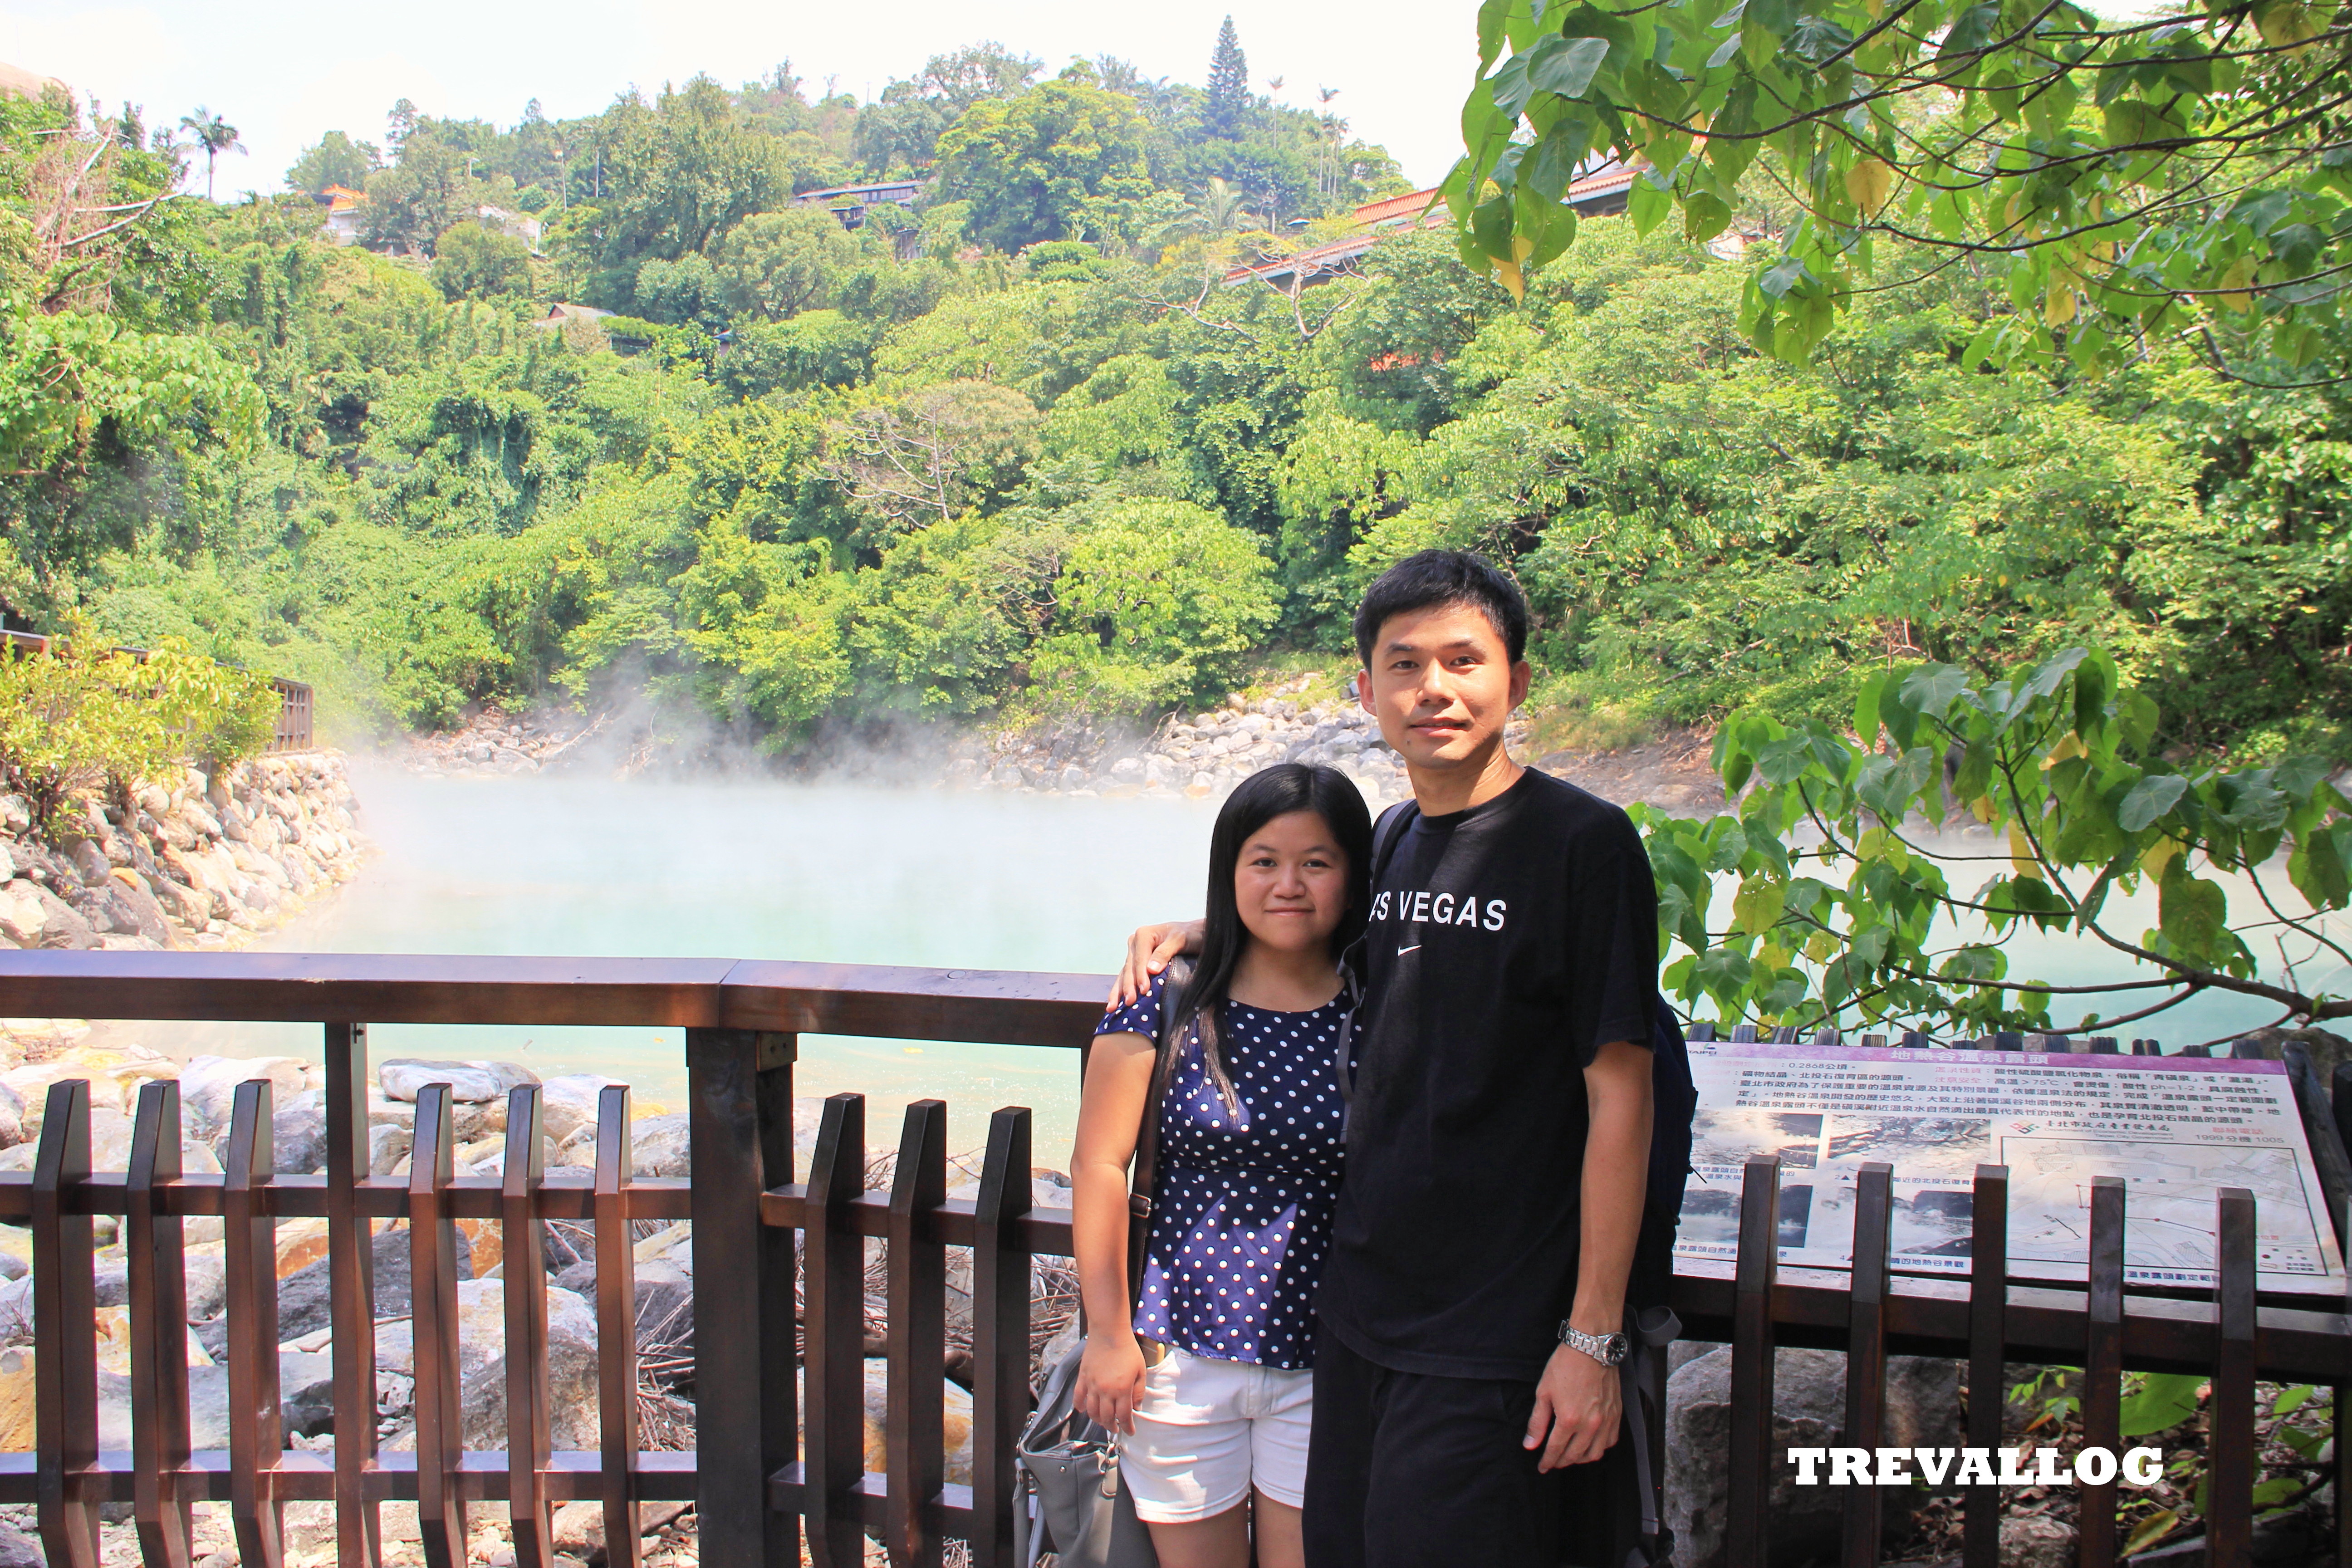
x=293, y=732
x=758, y=1481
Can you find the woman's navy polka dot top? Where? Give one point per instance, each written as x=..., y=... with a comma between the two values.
x=1243, y=1217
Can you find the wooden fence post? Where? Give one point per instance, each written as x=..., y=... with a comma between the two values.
x=432, y=1292
x=1750, y=1490
x=1865, y=1354
x=2103, y=1369
x=523, y=1238
x=832, y=1262
x=915, y=1338
x=256, y=1434
x=351, y=1295
x=65, y=1332
x=740, y=1111
x=159, y=1332
x=617, y=1330
x=1988, y=1344
x=2229, y=1480
x=1001, y=1275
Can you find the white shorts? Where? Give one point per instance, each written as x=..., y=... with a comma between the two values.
x=1207, y=1431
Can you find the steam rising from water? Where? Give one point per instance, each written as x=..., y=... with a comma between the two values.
x=840, y=872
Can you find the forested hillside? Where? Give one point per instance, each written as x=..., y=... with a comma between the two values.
x=1023, y=452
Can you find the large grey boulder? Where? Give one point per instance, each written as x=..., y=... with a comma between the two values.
x=1923, y=1409
x=661, y=1146
x=62, y=925
x=471, y=1081
x=482, y=1367
x=304, y=1303
x=306, y=1388
x=568, y=1103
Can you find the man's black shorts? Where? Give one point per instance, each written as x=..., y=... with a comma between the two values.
x=1406, y=1470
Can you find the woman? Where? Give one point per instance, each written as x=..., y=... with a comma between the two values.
x=1209, y=1373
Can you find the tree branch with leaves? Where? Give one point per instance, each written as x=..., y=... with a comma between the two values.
x=1850, y=892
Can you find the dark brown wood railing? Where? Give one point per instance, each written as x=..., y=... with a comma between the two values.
x=760, y=1482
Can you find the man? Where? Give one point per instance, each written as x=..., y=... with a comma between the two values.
x=1472, y=1307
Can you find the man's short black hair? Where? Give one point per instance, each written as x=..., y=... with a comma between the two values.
x=1434, y=578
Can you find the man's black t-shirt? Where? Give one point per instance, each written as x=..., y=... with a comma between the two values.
x=1506, y=944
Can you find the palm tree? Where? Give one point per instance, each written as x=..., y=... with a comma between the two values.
x=1218, y=209
x=215, y=135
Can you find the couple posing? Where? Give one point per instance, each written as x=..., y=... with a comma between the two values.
x=1402, y=1143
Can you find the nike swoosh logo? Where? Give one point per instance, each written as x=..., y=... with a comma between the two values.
x=1402, y=950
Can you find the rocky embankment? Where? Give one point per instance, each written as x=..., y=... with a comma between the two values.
x=1201, y=755
x=194, y=860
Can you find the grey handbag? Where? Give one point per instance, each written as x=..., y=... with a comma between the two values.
x=1068, y=1497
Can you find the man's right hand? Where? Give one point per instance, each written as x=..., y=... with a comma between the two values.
x=1147, y=953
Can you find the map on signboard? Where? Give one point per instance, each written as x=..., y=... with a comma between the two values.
x=2174, y=1130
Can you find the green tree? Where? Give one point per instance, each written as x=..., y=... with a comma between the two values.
x=926, y=458
x=2171, y=177
x=215, y=135
x=471, y=262
x=1156, y=601
x=1225, y=105
x=776, y=264
x=333, y=160
x=1029, y=165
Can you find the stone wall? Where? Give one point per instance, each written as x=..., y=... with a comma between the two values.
x=193, y=861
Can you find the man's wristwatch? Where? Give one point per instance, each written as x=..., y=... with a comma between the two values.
x=1609, y=1350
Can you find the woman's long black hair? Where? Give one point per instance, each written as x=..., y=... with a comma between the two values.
x=1258, y=800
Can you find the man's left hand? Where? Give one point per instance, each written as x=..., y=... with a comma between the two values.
x=1579, y=1410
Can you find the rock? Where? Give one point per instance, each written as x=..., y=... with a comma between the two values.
x=208, y=1085
x=660, y=1146
x=12, y=1118
x=471, y=1081
x=568, y=1103
x=184, y=904
x=206, y=1271
x=579, y=1527
x=18, y=1550
x=62, y=925
x=306, y=1382
x=23, y=916
x=1809, y=1408
x=2036, y=1540
x=388, y=1145
x=570, y=1366
x=304, y=1304
x=89, y=859
x=116, y=905
x=298, y=1141
x=665, y=1304
x=957, y=1426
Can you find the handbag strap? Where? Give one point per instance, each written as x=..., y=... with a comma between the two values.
x=1144, y=1175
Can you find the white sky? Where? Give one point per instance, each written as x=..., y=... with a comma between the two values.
x=284, y=71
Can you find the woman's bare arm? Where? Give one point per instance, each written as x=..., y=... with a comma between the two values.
x=1111, y=1113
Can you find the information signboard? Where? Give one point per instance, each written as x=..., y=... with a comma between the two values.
x=2176, y=1128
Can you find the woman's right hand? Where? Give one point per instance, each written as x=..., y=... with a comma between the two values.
x=1110, y=1380
x=1147, y=953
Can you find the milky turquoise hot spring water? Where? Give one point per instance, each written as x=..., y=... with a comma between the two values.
x=846, y=873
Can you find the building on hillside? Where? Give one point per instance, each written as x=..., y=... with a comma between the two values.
x=1598, y=194
x=848, y=203
x=16, y=81
x=561, y=312
x=520, y=226
x=343, y=218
